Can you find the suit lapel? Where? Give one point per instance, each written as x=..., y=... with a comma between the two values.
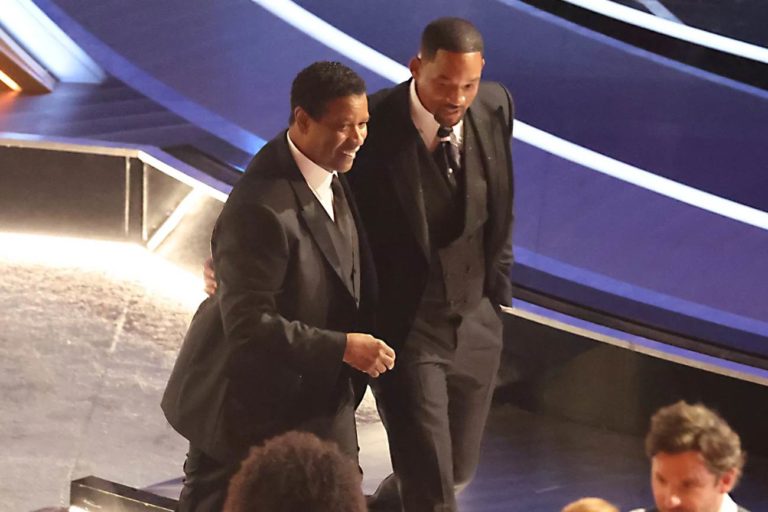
x=407, y=153
x=317, y=220
x=488, y=126
x=475, y=181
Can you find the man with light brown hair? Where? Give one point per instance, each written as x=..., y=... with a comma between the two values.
x=696, y=460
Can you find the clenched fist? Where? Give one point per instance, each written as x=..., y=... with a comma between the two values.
x=368, y=354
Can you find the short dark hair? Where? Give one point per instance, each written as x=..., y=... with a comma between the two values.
x=683, y=427
x=321, y=82
x=450, y=34
x=296, y=472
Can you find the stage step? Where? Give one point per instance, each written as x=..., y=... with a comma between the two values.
x=96, y=494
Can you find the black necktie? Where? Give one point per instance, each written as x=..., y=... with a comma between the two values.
x=341, y=214
x=447, y=156
x=346, y=224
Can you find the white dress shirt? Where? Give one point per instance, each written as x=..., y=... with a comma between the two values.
x=727, y=505
x=318, y=179
x=427, y=126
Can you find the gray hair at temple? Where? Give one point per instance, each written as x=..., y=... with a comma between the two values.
x=455, y=35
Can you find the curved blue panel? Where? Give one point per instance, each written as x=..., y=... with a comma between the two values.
x=602, y=234
x=231, y=58
x=668, y=118
x=235, y=61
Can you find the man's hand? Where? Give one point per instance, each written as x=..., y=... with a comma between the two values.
x=368, y=354
x=209, y=276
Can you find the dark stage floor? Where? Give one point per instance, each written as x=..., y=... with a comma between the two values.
x=87, y=344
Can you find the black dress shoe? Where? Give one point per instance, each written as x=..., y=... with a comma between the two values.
x=387, y=496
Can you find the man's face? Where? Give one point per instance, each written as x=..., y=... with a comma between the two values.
x=682, y=483
x=448, y=83
x=333, y=140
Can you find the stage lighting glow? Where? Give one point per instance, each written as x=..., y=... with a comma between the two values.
x=190, y=176
x=173, y=220
x=12, y=85
x=673, y=29
x=47, y=43
x=117, y=260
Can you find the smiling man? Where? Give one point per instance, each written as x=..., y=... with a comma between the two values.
x=696, y=460
x=277, y=347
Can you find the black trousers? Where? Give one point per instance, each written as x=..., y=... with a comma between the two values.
x=206, y=479
x=435, y=403
x=205, y=482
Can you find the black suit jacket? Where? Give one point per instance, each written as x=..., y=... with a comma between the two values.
x=386, y=181
x=266, y=351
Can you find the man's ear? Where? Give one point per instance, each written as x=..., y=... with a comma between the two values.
x=728, y=480
x=415, y=66
x=301, y=118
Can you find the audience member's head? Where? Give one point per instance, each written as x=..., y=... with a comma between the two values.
x=590, y=505
x=696, y=459
x=296, y=472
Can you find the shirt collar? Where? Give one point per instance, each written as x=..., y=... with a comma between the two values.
x=318, y=179
x=426, y=124
x=728, y=505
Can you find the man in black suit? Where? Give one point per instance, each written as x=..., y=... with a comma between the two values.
x=434, y=188
x=277, y=347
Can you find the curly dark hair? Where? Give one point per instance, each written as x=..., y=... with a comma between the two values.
x=296, y=472
x=321, y=82
x=683, y=427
